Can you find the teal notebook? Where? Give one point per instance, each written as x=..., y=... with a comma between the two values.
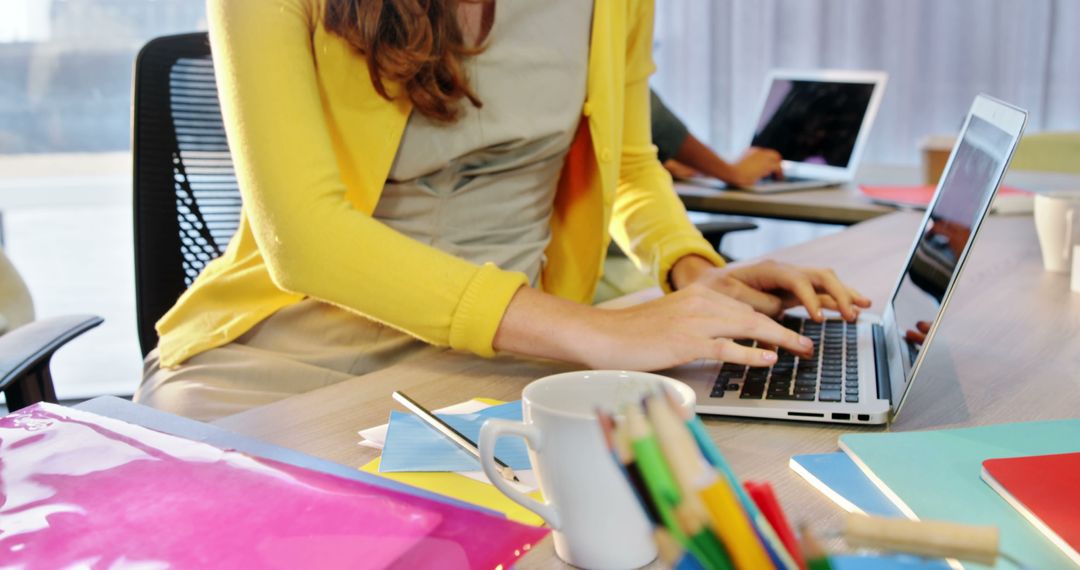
x=935, y=475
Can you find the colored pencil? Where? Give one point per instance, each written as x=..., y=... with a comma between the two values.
x=661, y=485
x=815, y=556
x=773, y=545
x=765, y=499
x=738, y=533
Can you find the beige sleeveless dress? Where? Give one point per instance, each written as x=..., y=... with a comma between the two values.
x=481, y=188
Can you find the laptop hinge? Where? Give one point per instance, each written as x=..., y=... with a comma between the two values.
x=881, y=363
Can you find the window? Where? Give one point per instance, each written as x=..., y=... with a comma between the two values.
x=65, y=174
x=713, y=57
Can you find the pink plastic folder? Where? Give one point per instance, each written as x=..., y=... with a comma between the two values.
x=82, y=490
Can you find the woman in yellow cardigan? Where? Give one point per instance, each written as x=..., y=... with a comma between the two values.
x=429, y=173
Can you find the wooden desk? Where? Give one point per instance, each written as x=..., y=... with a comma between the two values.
x=843, y=205
x=1008, y=350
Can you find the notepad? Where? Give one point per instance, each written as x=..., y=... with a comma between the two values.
x=465, y=487
x=935, y=475
x=1045, y=489
x=412, y=445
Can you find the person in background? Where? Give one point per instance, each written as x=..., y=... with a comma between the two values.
x=686, y=157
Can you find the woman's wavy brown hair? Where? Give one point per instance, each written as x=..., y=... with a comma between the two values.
x=417, y=43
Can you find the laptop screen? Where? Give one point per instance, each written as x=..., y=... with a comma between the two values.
x=977, y=165
x=813, y=122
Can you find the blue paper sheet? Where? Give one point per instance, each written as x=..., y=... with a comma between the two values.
x=412, y=445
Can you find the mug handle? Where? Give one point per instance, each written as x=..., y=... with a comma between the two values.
x=489, y=435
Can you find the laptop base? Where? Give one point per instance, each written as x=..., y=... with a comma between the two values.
x=766, y=186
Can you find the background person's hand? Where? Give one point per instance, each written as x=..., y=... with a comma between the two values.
x=679, y=170
x=917, y=336
x=771, y=287
x=755, y=164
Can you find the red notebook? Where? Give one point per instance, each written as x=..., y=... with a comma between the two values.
x=919, y=196
x=1045, y=489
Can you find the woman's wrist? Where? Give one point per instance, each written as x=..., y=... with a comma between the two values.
x=545, y=326
x=687, y=269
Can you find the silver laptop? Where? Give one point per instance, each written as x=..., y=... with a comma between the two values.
x=819, y=121
x=862, y=372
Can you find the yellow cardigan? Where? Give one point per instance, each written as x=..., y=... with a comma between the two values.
x=313, y=142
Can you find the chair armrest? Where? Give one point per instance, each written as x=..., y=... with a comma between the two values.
x=714, y=231
x=24, y=349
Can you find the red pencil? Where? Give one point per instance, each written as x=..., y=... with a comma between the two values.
x=763, y=496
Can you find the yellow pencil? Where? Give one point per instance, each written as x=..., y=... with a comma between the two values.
x=736, y=532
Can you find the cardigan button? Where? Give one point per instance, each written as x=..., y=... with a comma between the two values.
x=605, y=155
x=587, y=109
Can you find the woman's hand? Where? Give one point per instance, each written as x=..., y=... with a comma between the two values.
x=696, y=322
x=772, y=287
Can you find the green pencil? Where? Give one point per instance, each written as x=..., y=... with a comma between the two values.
x=659, y=481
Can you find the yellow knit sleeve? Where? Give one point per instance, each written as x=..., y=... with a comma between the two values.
x=649, y=221
x=312, y=239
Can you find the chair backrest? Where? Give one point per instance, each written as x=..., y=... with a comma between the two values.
x=186, y=200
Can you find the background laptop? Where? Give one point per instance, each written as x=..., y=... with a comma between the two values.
x=862, y=372
x=819, y=121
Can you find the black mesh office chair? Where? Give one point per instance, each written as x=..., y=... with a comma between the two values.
x=187, y=204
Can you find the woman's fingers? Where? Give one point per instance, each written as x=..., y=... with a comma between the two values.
x=755, y=326
x=761, y=301
x=826, y=280
x=729, y=351
x=859, y=299
x=799, y=285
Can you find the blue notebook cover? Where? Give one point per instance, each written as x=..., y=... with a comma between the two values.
x=839, y=479
x=874, y=562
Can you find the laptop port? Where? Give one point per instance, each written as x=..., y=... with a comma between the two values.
x=841, y=416
x=864, y=417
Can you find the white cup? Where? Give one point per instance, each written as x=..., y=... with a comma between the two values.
x=1056, y=221
x=1075, y=285
x=598, y=522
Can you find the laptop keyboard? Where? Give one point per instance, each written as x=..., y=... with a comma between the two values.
x=786, y=180
x=830, y=375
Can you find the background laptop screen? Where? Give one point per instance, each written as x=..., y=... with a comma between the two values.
x=980, y=159
x=814, y=122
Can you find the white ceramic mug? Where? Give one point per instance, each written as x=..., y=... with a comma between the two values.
x=1057, y=221
x=598, y=522
x=1075, y=285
